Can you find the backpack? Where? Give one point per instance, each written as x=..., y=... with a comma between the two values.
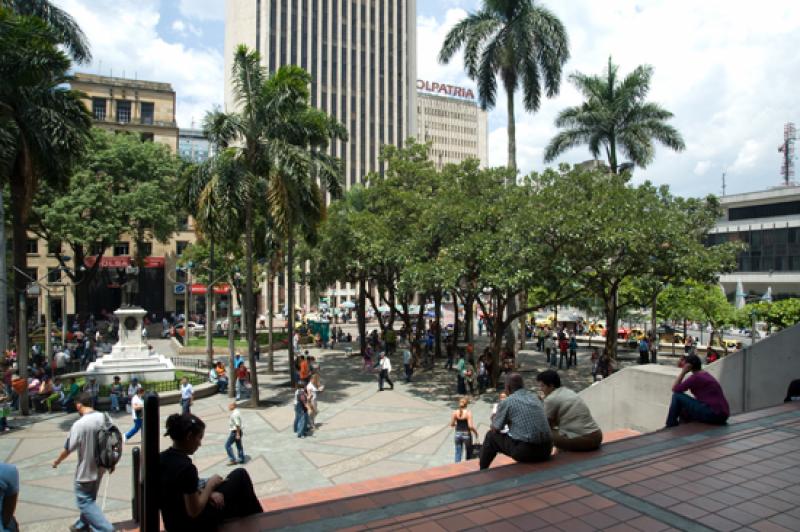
x=108, y=444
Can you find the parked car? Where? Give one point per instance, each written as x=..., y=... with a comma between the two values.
x=194, y=327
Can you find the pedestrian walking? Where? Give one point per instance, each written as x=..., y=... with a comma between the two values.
x=573, y=351
x=461, y=419
x=187, y=396
x=385, y=366
x=88, y=474
x=313, y=389
x=407, y=364
x=563, y=347
x=137, y=413
x=300, y=411
x=235, y=435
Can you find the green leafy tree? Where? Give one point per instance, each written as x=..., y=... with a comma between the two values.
x=43, y=128
x=704, y=303
x=62, y=26
x=615, y=116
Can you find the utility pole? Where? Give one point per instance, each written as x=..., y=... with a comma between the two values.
x=723, y=184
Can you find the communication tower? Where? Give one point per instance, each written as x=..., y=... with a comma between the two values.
x=787, y=149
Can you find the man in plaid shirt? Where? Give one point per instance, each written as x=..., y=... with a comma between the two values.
x=528, y=438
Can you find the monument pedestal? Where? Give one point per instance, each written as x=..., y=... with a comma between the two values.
x=130, y=357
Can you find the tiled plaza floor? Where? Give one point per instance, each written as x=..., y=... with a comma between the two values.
x=745, y=476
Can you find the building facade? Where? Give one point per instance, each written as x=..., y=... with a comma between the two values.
x=143, y=108
x=135, y=106
x=451, y=120
x=768, y=224
x=361, y=55
x=193, y=145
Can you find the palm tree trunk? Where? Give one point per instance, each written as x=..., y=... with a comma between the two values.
x=512, y=130
x=437, y=305
x=3, y=278
x=361, y=315
x=249, y=315
x=290, y=301
x=270, y=312
x=209, y=304
x=231, y=351
x=20, y=262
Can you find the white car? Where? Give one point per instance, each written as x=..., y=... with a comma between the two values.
x=193, y=326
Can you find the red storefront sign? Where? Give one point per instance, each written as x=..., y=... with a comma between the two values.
x=108, y=262
x=154, y=262
x=220, y=289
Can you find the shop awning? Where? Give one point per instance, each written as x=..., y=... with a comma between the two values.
x=221, y=289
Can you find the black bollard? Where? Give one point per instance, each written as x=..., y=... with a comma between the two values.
x=150, y=521
x=136, y=498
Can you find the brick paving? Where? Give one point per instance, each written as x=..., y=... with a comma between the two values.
x=745, y=476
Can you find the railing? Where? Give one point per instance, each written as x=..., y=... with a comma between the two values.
x=173, y=386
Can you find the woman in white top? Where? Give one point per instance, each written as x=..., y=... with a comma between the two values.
x=571, y=422
x=312, y=390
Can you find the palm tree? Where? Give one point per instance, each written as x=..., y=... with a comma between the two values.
x=63, y=26
x=279, y=143
x=43, y=128
x=615, y=116
x=521, y=42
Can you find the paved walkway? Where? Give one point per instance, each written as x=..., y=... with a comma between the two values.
x=363, y=435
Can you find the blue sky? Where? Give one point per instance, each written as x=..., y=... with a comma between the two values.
x=729, y=71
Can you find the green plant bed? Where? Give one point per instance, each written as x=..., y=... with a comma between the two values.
x=218, y=341
x=164, y=386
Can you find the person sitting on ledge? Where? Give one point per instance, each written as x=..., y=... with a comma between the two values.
x=572, y=424
x=708, y=404
x=528, y=438
x=189, y=503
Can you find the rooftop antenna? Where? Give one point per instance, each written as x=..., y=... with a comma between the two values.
x=787, y=149
x=723, y=182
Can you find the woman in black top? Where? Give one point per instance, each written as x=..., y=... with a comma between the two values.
x=189, y=503
x=462, y=421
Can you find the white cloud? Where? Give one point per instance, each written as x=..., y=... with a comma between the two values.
x=133, y=47
x=185, y=28
x=725, y=70
x=202, y=9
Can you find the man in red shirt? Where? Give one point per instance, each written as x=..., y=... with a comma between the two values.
x=708, y=404
x=305, y=371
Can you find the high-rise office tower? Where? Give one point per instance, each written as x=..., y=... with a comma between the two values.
x=361, y=55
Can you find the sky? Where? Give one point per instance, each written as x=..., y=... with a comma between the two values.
x=728, y=70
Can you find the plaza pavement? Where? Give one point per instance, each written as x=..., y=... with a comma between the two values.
x=363, y=434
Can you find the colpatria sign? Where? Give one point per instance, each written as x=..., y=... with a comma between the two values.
x=444, y=88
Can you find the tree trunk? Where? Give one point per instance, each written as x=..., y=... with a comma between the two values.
x=270, y=312
x=512, y=132
x=437, y=302
x=249, y=314
x=290, y=302
x=421, y=298
x=469, y=318
x=3, y=278
x=361, y=315
x=22, y=353
x=232, y=352
x=20, y=263
x=611, y=322
x=455, y=321
x=500, y=326
x=209, y=304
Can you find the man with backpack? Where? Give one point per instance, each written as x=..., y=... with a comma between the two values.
x=99, y=446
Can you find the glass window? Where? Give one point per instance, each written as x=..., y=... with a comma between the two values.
x=147, y=137
x=32, y=246
x=97, y=248
x=180, y=247
x=148, y=113
x=123, y=111
x=145, y=249
x=54, y=248
x=54, y=275
x=99, y=108
x=121, y=248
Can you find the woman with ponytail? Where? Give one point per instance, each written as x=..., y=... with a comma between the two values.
x=193, y=504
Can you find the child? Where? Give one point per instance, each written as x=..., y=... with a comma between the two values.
x=116, y=393
x=235, y=436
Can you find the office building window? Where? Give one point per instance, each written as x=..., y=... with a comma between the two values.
x=147, y=113
x=99, y=108
x=145, y=249
x=54, y=248
x=147, y=137
x=32, y=246
x=180, y=247
x=54, y=275
x=97, y=248
x=123, y=111
x=121, y=248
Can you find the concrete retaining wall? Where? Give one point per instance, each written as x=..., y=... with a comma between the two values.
x=756, y=377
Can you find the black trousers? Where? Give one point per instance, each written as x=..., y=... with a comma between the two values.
x=240, y=501
x=384, y=376
x=497, y=442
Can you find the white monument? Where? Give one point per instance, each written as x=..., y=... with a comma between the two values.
x=130, y=356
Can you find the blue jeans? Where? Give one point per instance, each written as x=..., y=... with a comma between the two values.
x=461, y=387
x=185, y=406
x=114, y=401
x=137, y=424
x=91, y=517
x=229, y=444
x=685, y=408
x=463, y=439
x=300, y=420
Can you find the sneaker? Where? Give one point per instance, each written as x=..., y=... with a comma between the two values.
x=233, y=463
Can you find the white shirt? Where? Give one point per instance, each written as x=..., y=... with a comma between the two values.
x=235, y=421
x=136, y=401
x=132, y=389
x=187, y=391
x=386, y=364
